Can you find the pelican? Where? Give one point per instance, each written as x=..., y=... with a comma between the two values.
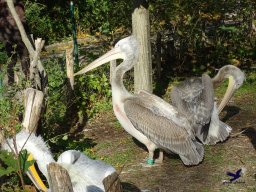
x=146, y=117
x=86, y=174
x=194, y=97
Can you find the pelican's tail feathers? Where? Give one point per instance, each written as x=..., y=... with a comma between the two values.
x=221, y=134
x=195, y=156
x=218, y=131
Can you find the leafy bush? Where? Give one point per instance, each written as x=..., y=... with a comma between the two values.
x=3, y=55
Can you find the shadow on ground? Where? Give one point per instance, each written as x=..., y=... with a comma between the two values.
x=230, y=112
x=251, y=134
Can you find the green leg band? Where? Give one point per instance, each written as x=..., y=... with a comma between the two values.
x=150, y=161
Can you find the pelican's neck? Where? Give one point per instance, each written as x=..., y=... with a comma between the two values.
x=118, y=75
x=219, y=78
x=35, y=146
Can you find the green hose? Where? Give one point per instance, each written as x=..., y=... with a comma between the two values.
x=74, y=32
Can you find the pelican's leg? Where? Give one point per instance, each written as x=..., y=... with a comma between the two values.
x=150, y=160
x=160, y=158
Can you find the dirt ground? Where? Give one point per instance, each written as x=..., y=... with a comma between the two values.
x=117, y=147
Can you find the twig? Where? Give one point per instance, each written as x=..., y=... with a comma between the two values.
x=239, y=133
x=17, y=154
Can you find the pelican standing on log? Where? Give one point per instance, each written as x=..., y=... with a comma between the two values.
x=194, y=97
x=148, y=118
x=86, y=174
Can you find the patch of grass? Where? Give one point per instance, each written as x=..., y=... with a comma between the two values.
x=213, y=155
x=117, y=125
x=117, y=153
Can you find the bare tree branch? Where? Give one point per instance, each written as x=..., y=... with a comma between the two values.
x=20, y=27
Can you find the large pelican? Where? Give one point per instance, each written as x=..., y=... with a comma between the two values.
x=148, y=118
x=86, y=174
x=194, y=97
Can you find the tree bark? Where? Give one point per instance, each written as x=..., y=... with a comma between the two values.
x=20, y=27
x=33, y=104
x=59, y=179
x=141, y=30
x=112, y=183
x=70, y=67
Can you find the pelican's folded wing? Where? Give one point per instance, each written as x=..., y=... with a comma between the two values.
x=164, y=126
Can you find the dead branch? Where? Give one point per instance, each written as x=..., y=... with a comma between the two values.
x=20, y=27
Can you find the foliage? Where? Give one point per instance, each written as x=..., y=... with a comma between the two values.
x=91, y=16
x=91, y=95
x=57, y=102
x=3, y=55
x=206, y=37
x=39, y=17
x=9, y=112
x=11, y=162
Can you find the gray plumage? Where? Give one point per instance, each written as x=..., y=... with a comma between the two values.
x=194, y=97
x=163, y=131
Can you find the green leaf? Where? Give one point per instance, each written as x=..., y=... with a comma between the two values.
x=23, y=156
x=230, y=29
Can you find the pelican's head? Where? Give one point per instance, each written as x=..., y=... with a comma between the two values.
x=236, y=78
x=128, y=46
x=125, y=49
x=69, y=157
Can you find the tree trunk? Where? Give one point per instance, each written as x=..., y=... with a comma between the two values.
x=141, y=30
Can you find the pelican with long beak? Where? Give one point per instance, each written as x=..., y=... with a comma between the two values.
x=86, y=174
x=148, y=118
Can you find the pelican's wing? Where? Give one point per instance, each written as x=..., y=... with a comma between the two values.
x=194, y=98
x=164, y=126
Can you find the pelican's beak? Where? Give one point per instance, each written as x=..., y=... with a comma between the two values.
x=229, y=93
x=34, y=177
x=115, y=53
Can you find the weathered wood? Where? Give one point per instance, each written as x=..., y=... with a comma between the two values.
x=59, y=179
x=20, y=27
x=70, y=66
x=37, y=71
x=112, y=183
x=38, y=75
x=141, y=30
x=33, y=105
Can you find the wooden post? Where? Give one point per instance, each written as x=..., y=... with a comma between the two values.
x=59, y=179
x=33, y=105
x=141, y=30
x=70, y=66
x=112, y=183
